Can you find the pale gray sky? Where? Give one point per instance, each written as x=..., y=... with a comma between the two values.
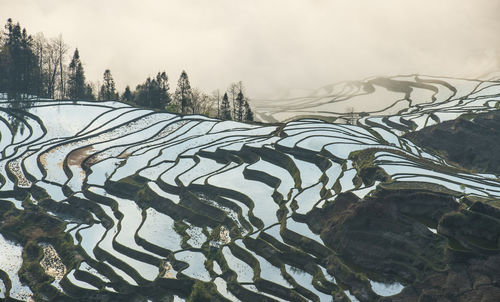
x=271, y=45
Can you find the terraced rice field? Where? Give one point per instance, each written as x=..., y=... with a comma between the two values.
x=156, y=202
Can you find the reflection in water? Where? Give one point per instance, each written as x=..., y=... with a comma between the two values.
x=166, y=219
x=17, y=110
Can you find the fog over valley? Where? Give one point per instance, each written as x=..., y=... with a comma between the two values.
x=271, y=46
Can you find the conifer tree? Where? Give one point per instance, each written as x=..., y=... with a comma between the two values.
x=143, y=93
x=108, y=90
x=240, y=103
x=183, y=93
x=76, y=79
x=153, y=93
x=19, y=73
x=89, y=93
x=248, y=112
x=225, y=109
x=161, y=97
x=127, y=95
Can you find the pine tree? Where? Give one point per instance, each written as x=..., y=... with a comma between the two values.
x=183, y=93
x=89, y=93
x=127, y=95
x=108, y=90
x=163, y=88
x=232, y=91
x=248, y=112
x=154, y=92
x=225, y=108
x=19, y=73
x=240, y=103
x=143, y=93
x=76, y=81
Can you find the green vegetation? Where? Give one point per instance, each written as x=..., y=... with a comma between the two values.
x=203, y=292
x=367, y=170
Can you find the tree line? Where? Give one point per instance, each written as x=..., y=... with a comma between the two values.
x=38, y=66
x=155, y=93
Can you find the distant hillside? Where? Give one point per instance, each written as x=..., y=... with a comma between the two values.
x=372, y=96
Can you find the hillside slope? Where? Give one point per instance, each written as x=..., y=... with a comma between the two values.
x=472, y=141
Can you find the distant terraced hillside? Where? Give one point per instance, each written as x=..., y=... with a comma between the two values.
x=377, y=96
x=103, y=201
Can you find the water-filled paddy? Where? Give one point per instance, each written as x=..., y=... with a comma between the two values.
x=138, y=189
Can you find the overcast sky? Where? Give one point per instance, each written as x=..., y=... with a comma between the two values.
x=270, y=45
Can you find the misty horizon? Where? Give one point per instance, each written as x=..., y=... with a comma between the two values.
x=271, y=46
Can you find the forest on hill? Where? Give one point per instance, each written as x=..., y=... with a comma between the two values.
x=39, y=66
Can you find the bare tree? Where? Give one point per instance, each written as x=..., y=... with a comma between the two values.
x=216, y=97
x=39, y=43
x=236, y=93
x=61, y=48
x=201, y=102
x=232, y=92
x=51, y=65
x=98, y=91
x=351, y=115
